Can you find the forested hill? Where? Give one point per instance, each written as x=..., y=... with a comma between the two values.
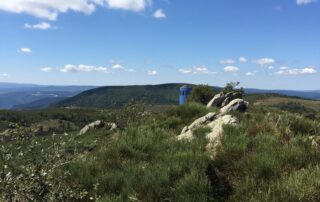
x=118, y=96
x=163, y=94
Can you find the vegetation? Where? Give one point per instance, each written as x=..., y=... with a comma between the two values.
x=201, y=94
x=232, y=87
x=119, y=96
x=268, y=156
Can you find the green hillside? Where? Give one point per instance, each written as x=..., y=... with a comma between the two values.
x=268, y=156
x=271, y=153
x=118, y=96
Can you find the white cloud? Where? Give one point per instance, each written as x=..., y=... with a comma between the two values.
x=131, y=5
x=117, y=66
x=47, y=9
x=284, y=68
x=265, y=61
x=50, y=9
x=308, y=70
x=186, y=71
x=227, y=62
x=4, y=75
x=46, y=69
x=196, y=70
x=152, y=72
x=83, y=68
x=296, y=71
x=250, y=74
x=243, y=59
x=42, y=26
x=271, y=67
x=304, y=2
x=25, y=50
x=231, y=69
x=159, y=14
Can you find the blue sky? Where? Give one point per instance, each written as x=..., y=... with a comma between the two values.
x=270, y=44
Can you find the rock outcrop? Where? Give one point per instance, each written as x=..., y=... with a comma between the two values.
x=215, y=121
x=216, y=101
x=235, y=105
x=216, y=133
x=95, y=125
x=230, y=97
x=187, y=132
x=221, y=99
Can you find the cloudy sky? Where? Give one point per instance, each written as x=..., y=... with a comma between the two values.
x=270, y=44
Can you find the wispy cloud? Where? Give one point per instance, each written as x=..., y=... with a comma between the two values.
x=50, y=9
x=152, y=72
x=41, y=26
x=4, y=75
x=117, y=66
x=296, y=71
x=250, y=74
x=46, y=69
x=83, y=68
x=159, y=14
x=265, y=61
x=304, y=2
x=227, y=62
x=196, y=70
x=243, y=59
x=231, y=69
x=25, y=50
x=131, y=5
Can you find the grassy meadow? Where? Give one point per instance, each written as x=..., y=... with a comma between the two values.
x=268, y=156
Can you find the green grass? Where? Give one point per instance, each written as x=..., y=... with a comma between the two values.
x=266, y=157
x=147, y=164
x=264, y=164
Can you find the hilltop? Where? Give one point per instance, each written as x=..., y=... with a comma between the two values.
x=166, y=94
x=266, y=154
x=119, y=96
x=32, y=96
x=134, y=143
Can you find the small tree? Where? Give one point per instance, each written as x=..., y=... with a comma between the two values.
x=201, y=94
x=232, y=88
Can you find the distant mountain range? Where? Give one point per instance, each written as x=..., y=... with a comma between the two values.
x=31, y=96
x=164, y=94
x=315, y=95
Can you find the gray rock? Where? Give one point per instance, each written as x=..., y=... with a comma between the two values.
x=216, y=133
x=97, y=124
x=230, y=97
x=221, y=100
x=93, y=125
x=216, y=101
x=187, y=131
x=235, y=105
x=112, y=126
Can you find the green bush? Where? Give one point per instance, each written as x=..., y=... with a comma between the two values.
x=201, y=94
x=232, y=87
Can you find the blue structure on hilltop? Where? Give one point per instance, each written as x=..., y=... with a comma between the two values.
x=184, y=93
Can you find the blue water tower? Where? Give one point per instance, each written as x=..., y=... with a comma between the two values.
x=184, y=93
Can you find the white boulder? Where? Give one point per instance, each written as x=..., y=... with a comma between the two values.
x=235, y=105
